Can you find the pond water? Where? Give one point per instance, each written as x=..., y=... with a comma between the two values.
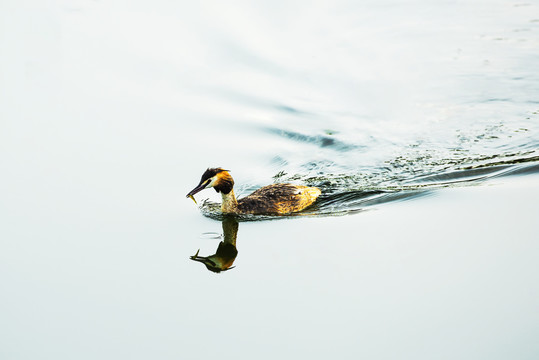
x=418, y=120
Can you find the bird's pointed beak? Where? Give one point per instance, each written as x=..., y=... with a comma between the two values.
x=196, y=190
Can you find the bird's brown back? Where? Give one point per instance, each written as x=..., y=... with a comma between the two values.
x=278, y=199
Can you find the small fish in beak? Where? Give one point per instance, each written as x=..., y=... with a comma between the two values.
x=200, y=187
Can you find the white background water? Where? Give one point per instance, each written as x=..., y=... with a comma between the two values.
x=110, y=112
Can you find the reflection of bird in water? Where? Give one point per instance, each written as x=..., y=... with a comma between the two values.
x=271, y=199
x=226, y=252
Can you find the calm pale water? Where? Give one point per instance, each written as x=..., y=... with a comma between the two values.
x=110, y=112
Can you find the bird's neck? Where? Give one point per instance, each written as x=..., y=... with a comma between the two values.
x=229, y=203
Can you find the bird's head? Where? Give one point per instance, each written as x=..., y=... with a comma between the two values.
x=217, y=178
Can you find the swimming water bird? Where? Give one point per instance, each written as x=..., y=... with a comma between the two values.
x=271, y=199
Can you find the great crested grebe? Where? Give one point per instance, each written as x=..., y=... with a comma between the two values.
x=271, y=199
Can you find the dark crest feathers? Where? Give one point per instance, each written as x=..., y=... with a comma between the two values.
x=210, y=172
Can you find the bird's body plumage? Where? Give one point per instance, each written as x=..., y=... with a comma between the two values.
x=278, y=199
